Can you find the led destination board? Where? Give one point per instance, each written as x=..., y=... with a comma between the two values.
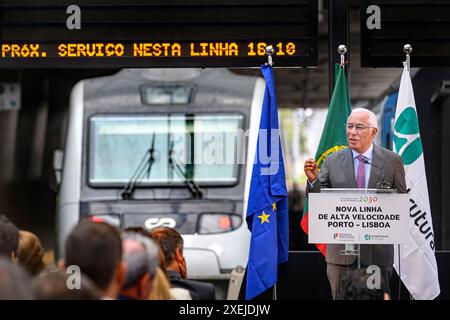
x=102, y=33
x=386, y=26
x=157, y=49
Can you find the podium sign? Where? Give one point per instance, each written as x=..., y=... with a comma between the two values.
x=358, y=217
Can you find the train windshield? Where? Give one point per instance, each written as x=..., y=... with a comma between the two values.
x=164, y=149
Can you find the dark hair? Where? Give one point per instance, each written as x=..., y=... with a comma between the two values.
x=353, y=285
x=9, y=237
x=169, y=240
x=53, y=286
x=15, y=283
x=96, y=248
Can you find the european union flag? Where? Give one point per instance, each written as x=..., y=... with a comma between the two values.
x=267, y=206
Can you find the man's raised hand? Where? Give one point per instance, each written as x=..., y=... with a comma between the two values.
x=311, y=170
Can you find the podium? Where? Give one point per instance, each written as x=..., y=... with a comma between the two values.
x=352, y=217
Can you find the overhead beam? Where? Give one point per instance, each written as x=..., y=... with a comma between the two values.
x=338, y=33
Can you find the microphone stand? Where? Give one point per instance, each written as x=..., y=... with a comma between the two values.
x=387, y=186
x=383, y=185
x=349, y=248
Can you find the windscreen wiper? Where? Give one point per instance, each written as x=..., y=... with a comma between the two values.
x=145, y=164
x=176, y=166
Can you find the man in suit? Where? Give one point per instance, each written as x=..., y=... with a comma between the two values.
x=171, y=244
x=362, y=165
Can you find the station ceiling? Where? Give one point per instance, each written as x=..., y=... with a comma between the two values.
x=308, y=87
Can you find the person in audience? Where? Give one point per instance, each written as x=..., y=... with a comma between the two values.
x=180, y=294
x=9, y=238
x=357, y=284
x=171, y=244
x=160, y=287
x=30, y=252
x=59, y=285
x=15, y=283
x=148, y=234
x=140, y=256
x=96, y=248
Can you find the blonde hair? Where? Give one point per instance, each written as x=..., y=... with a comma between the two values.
x=31, y=252
x=160, y=287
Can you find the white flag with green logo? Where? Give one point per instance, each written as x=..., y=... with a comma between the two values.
x=416, y=262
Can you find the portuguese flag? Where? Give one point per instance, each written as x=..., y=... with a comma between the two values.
x=333, y=135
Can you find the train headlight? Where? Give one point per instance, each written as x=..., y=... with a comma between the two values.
x=210, y=223
x=113, y=220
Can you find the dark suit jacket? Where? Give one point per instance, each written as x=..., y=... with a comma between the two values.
x=198, y=290
x=337, y=171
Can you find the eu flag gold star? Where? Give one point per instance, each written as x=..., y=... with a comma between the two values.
x=264, y=217
x=274, y=206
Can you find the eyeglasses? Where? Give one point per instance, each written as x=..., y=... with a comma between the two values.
x=358, y=127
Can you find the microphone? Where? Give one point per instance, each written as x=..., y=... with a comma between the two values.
x=383, y=185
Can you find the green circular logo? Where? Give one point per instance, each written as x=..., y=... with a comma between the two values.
x=407, y=136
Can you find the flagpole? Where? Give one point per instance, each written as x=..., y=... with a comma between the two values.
x=349, y=248
x=269, y=51
x=342, y=50
x=407, y=49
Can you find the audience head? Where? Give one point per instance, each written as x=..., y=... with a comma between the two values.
x=31, y=253
x=9, y=238
x=58, y=285
x=354, y=285
x=140, y=256
x=171, y=244
x=148, y=234
x=96, y=248
x=15, y=283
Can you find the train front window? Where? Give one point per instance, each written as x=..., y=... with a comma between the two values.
x=203, y=148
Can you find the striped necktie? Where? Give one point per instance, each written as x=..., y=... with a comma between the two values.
x=361, y=174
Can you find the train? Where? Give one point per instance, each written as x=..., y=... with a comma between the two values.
x=163, y=147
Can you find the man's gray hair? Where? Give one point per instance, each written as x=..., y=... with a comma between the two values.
x=140, y=261
x=372, y=117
